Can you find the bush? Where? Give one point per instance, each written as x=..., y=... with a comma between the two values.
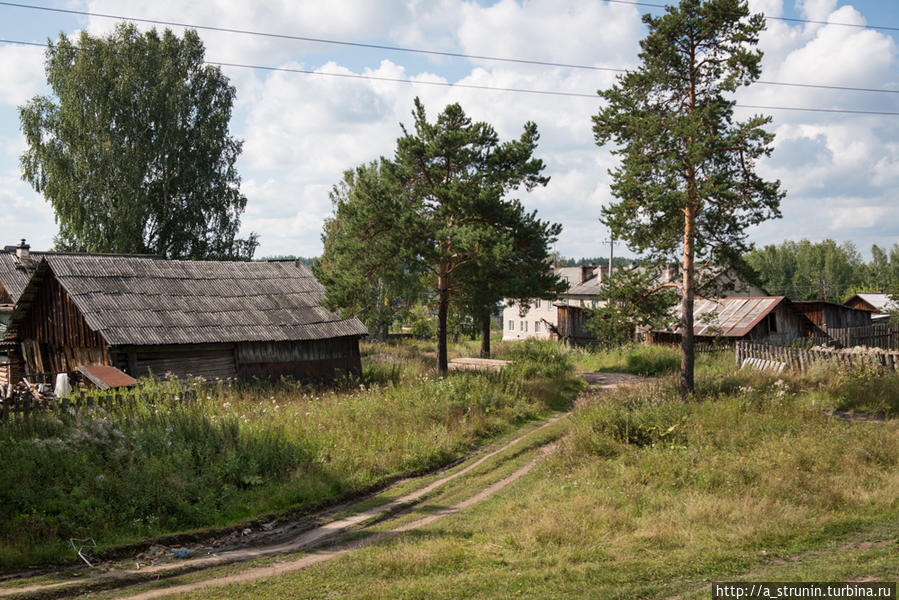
x=539, y=358
x=650, y=361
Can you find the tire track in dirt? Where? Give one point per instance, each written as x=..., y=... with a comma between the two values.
x=325, y=555
x=306, y=540
x=317, y=536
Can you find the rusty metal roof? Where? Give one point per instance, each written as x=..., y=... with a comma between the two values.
x=731, y=317
x=143, y=301
x=106, y=377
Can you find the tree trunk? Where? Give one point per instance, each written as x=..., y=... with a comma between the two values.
x=442, y=308
x=485, y=335
x=687, y=348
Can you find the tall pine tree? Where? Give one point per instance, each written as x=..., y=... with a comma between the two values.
x=687, y=182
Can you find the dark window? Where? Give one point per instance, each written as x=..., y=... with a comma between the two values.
x=772, y=323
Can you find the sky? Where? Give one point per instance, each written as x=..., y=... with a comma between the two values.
x=301, y=132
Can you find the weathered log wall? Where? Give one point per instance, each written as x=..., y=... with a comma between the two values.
x=55, y=338
x=311, y=359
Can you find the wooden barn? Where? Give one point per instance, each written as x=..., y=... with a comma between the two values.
x=187, y=318
x=828, y=315
x=881, y=306
x=17, y=265
x=754, y=318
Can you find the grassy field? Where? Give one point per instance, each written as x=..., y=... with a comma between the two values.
x=246, y=451
x=650, y=497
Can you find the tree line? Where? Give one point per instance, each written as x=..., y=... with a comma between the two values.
x=824, y=270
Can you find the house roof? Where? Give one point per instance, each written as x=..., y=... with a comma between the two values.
x=143, y=301
x=570, y=274
x=880, y=302
x=14, y=275
x=15, y=272
x=731, y=317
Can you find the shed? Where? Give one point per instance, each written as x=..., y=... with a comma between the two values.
x=744, y=318
x=572, y=325
x=188, y=318
x=828, y=315
x=879, y=305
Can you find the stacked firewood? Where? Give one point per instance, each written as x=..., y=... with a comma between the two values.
x=24, y=389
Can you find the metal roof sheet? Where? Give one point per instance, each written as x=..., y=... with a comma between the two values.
x=731, y=317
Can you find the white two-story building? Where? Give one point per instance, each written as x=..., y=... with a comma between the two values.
x=542, y=315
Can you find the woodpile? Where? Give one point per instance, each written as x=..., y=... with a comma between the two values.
x=24, y=389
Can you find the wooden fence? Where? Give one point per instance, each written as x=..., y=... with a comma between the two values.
x=768, y=357
x=26, y=408
x=879, y=335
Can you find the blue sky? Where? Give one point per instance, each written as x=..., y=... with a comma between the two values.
x=301, y=132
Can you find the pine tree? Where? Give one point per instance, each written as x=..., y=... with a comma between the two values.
x=686, y=181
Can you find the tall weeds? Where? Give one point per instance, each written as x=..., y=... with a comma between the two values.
x=242, y=451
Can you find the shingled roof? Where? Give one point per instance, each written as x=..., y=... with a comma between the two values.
x=142, y=301
x=14, y=276
x=15, y=273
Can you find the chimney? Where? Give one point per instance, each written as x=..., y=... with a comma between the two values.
x=586, y=272
x=22, y=251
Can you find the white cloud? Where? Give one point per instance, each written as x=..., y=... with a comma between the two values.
x=816, y=10
x=302, y=131
x=351, y=20
x=25, y=215
x=21, y=73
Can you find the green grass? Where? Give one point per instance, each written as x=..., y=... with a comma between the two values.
x=652, y=361
x=247, y=451
x=651, y=497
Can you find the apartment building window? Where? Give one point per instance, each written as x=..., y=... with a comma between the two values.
x=537, y=304
x=524, y=325
x=536, y=326
x=511, y=325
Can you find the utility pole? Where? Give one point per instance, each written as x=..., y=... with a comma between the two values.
x=611, y=242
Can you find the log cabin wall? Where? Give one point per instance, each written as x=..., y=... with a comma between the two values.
x=209, y=361
x=310, y=359
x=54, y=336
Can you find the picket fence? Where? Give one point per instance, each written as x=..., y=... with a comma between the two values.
x=21, y=408
x=778, y=358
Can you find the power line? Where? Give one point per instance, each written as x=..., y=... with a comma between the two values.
x=486, y=87
x=418, y=50
x=301, y=38
x=770, y=18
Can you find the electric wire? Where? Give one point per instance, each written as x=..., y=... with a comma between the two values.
x=487, y=87
x=420, y=50
x=770, y=17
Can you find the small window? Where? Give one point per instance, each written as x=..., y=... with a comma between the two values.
x=772, y=323
x=536, y=326
x=524, y=325
x=511, y=325
x=537, y=303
